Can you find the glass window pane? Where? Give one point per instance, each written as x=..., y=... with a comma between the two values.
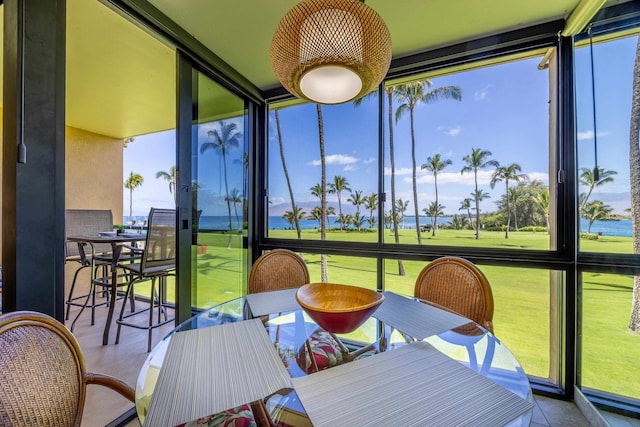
x=345, y=139
x=604, y=204
x=525, y=315
x=470, y=151
x=219, y=195
x=610, y=353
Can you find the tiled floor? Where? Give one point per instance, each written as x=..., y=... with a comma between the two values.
x=556, y=413
x=616, y=420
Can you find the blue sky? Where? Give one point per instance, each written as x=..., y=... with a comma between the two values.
x=504, y=109
x=613, y=70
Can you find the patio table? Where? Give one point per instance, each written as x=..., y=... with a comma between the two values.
x=457, y=358
x=117, y=242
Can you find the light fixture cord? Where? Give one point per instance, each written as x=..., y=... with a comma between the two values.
x=596, y=170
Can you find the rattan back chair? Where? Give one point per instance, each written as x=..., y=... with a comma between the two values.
x=42, y=372
x=457, y=284
x=281, y=269
x=276, y=270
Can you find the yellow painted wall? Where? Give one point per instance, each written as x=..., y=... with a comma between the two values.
x=93, y=172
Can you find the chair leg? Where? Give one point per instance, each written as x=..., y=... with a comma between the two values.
x=93, y=295
x=124, y=303
x=84, y=305
x=73, y=285
x=151, y=301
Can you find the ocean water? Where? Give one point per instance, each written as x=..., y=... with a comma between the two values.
x=607, y=228
x=620, y=227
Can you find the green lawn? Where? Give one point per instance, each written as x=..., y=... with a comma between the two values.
x=522, y=296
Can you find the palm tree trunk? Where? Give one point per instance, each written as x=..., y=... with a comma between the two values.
x=475, y=172
x=130, y=202
x=173, y=190
x=286, y=175
x=323, y=195
x=634, y=175
x=415, y=188
x=226, y=190
x=506, y=232
x=340, y=210
x=394, y=215
x=435, y=219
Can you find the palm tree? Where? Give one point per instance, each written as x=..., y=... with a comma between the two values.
x=401, y=208
x=594, y=211
x=433, y=212
x=134, y=181
x=339, y=185
x=475, y=161
x=478, y=196
x=295, y=216
x=459, y=222
x=588, y=178
x=245, y=182
x=172, y=177
x=410, y=95
x=357, y=220
x=356, y=199
x=234, y=197
x=225, y=138
x=465, y=205
x=324, y=277
x=390, y=91
x=434, y=165
x=634, y=179
x=316, y=213
x=286, y=175
x=371, y=203
x=542, y=201
x=506, y=174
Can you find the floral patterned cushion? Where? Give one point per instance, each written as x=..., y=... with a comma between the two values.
x=325, y=349
x=240, y=416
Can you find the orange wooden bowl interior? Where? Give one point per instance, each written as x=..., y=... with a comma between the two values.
x=338, y=308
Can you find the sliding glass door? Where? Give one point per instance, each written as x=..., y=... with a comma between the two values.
x=219, y=163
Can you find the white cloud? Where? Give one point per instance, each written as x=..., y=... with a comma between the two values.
x=484, y=178
x=349, y=168
x=589, y=135
x=454, y=131
x=336, y=159
x=276, y=200
x=482, y=93
x=540, y=176
x=369, y=160
x=399, y=171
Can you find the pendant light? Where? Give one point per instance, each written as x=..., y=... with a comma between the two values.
x=331, y=51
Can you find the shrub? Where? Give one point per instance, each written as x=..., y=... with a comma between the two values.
x=534, y=228
x=589, y=236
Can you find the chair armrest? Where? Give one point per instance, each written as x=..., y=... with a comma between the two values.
x=133, y=249
x=112, y=383
x=260, y=414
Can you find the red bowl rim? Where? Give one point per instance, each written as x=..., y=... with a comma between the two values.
x=379, y=300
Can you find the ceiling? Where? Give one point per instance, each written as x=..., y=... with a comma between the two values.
x=240, y=31
x=121, y=80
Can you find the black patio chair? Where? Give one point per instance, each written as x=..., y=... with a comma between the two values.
x=158, y=261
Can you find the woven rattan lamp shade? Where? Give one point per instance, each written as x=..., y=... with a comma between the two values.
x=331, y=51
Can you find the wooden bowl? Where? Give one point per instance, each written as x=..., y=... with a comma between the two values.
x=338, y=308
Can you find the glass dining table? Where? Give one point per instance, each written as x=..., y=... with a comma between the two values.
x=469, y=345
